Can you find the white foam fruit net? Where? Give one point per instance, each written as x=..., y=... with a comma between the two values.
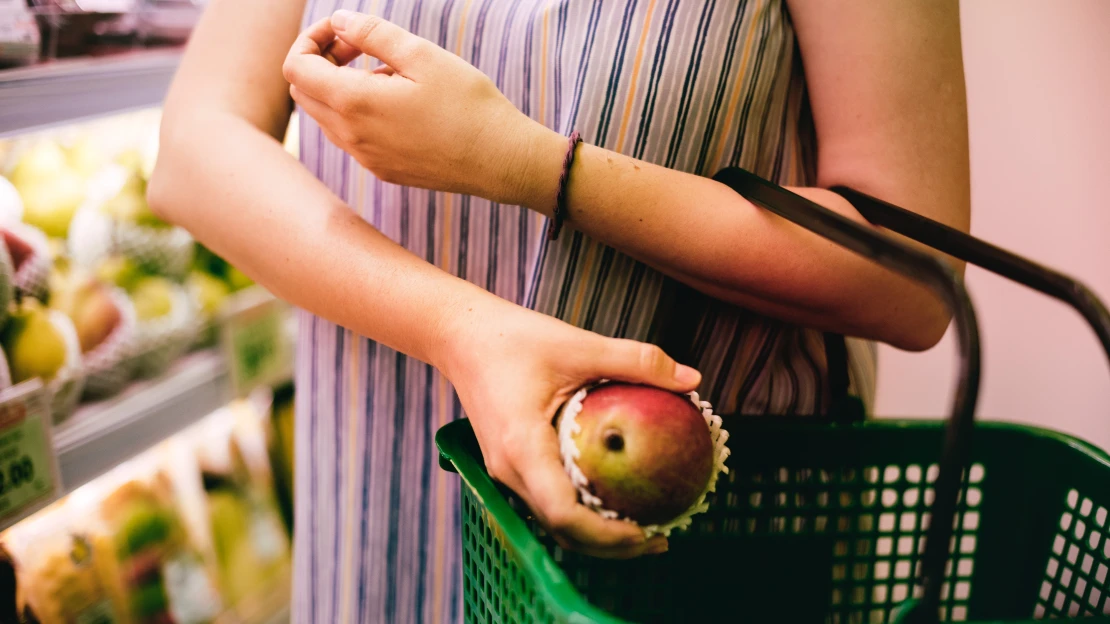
x=68, y=383
x=108, y=365
x=568, y=427
x=161, y=341
x=33, y=276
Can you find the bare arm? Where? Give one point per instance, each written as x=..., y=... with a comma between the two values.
x=223, y=175
x=887, y=89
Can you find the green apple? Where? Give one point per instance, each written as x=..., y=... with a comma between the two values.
x=153, y=298
x=33, y=345
x=647, y=452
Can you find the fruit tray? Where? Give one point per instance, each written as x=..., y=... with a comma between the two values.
x=833, y=521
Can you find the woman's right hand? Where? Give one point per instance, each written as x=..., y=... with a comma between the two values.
x=513, y=369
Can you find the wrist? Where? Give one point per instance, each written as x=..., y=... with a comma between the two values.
x=463, y=329
x=533, y=181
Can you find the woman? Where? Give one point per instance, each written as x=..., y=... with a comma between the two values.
x=413, y=232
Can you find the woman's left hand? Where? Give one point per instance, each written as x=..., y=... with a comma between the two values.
x=426, y=118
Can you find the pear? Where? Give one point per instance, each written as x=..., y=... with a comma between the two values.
x=647, y=453
x=40, y=163
x=50, y=204
x=33, y=345
x=153, y=298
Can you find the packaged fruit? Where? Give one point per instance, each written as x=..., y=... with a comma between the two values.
x=160, y=573
x=119, y=222
x=63, y=572
x=50, y=189
x=42, y=343
x=248, y=539
x=11, y=204
x=106, y=326
x=167, y=324
x=31, y=259
x=642, y=454
x=209, y=295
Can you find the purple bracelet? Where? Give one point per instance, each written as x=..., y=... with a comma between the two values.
x=560, y=213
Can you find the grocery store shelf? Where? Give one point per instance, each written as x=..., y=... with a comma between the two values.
x=74, y=89
x=103, y=434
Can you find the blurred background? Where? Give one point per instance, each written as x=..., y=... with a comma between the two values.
x=145, y=384
x=1040, y=158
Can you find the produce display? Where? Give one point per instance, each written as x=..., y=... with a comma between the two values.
x=95, y=289
x=188, y=533
x=642, y=454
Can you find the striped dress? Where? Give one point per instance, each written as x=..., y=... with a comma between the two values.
x=694, y=85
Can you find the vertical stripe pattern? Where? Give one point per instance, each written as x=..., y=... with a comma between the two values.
x=692, y=85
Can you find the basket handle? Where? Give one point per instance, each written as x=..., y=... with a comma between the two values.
x=948, y=285
x=982, y=254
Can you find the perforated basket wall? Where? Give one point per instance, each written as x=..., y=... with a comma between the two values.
x=821, y=524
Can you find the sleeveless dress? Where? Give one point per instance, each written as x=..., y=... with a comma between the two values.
x=694, y=85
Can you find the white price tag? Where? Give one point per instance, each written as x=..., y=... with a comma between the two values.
x=28, y=467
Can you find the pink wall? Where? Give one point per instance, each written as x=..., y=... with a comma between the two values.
x=1038, y=77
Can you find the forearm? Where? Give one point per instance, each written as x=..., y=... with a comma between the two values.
x=239, y=193
x=705, y=235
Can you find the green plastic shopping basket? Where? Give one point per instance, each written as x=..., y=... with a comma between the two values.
x=832, y=521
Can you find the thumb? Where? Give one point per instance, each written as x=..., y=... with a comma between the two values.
x=380, y=39
x=638, y=362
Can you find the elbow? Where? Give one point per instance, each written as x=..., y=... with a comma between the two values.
x=921, y=330
x=162, y=193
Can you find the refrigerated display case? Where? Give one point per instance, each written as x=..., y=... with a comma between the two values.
x=123, y=338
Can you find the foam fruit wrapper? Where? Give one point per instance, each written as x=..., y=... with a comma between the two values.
x=32, y=279
x=7, y=283
x=94, y=236
x=5, y=372
x=568, y=450
x=109, y=365
x=162, y=340
x=69, y=382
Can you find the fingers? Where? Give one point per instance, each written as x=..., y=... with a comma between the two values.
x=316, y=109
x=637, y=362
x=554, y=498
x=655, y=546
x=311, y=66
x=341, y=53
x=382, y=40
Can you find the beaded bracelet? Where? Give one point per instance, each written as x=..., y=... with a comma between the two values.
x=559, y=215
